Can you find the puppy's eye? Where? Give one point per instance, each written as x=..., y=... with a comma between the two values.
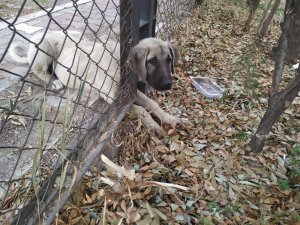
x=152, y=60
x=169, y=59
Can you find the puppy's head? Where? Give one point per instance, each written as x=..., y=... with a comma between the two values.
x=153, y=61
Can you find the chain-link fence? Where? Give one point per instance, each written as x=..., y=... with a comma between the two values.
x=64, y=88
x=170, y=15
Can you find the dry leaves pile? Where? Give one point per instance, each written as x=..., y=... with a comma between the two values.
x=204, y=173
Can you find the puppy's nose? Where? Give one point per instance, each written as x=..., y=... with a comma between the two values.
x=167, y=84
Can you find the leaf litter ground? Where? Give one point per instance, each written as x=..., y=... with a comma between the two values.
x=213, y=176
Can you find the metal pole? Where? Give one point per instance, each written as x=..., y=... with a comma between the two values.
x=144, y=17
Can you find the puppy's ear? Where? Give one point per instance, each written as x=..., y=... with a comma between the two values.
x=137, y=62
x=175, y=55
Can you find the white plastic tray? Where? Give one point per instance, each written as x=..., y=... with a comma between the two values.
x=207, y=87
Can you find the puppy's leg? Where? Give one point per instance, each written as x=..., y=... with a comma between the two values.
x=146, y=117
x=152, y=107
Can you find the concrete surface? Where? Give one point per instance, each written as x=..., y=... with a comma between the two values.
x=20, y=130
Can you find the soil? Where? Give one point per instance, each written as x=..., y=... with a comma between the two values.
x=10, y=8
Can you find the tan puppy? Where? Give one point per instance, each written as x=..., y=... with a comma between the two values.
x=81, y=64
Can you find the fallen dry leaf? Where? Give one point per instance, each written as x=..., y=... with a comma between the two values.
x=205, y=172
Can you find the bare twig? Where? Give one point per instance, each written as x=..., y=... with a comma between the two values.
x=267, y=21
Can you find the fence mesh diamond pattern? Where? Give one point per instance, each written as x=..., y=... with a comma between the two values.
x=64, y=89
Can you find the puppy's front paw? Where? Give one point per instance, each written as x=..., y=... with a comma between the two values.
x=56, y=85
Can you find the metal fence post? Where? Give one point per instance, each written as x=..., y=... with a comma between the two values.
x=144, y=22
x=147, y=18
x=144, y=19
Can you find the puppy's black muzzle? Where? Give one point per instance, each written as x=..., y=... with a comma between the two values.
x=164, y=85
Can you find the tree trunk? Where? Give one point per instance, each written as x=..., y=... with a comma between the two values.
x=276, y=107
x=293, y=33
x=279, y=101
x=253, y=7
x=266, y=23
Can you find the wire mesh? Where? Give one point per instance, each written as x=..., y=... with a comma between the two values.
x=169, y=16
x=61, y=95
x=45, y=128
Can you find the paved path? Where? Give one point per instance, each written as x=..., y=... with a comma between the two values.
x=100, y=17
x=87, y=15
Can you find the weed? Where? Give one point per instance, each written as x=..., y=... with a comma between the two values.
x=296, y=217
x=206, y=221
x=242, y=136
x=213, y=206
x=278, y=217
x=225, y=96
x=36, y=165
x=283, y=185
x=294, y=174
x=229, y=209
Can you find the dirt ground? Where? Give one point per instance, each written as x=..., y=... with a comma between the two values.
x=10, y=8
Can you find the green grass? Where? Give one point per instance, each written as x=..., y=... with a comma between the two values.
x=295, y=162
x=213, y=206
x=283, y=185
x=206, y=221
x=36, y=165
x=296, y=217
x=278, y=217
x=242, y=136
x=225, y=96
